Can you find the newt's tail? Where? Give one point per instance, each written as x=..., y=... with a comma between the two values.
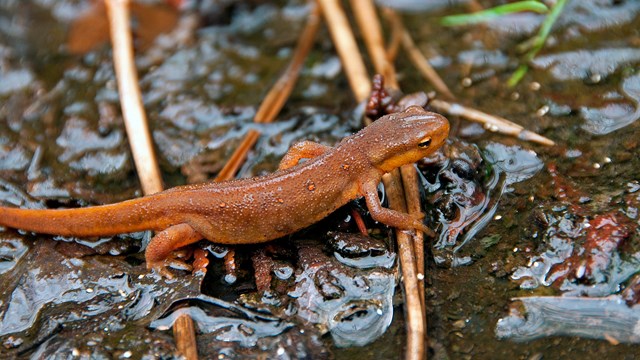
x=124, y=217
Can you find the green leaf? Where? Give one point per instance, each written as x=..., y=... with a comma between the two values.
x=538, y=41
x=517, y=75
x=492, y=13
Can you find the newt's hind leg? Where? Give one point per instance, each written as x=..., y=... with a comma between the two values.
x=158, y=252
x=302, y=150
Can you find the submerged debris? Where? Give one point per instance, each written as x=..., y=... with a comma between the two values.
x=596, y=318
x=465, y=189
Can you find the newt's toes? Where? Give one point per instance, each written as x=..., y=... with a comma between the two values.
x=163, y=271
x=426, y=230
x=162, y=267
x=178, y=264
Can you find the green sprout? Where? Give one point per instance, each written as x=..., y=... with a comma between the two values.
x=533, y=45
x=489, y=14
x=537, y=42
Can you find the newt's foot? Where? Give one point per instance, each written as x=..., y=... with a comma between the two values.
x=426, y=230
x=418, y=225
x=166, y=246
x=162, y=267
x=418, y=216
x=161, y=270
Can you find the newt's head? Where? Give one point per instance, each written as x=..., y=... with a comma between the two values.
x=404, y=138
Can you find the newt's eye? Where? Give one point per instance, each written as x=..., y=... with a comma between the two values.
x=425, y=142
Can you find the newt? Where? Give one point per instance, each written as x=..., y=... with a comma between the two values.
x=263, y=208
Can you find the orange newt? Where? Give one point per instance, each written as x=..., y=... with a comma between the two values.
x=263, y=208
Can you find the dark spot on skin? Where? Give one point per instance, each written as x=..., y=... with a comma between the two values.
x=345, y=167
x=311, y=186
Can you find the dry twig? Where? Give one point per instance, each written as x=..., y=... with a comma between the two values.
x=490, y=122
x=369, y=25
x=395, y=40
x=345, y=43
x=130, y=98
x=139, y=137
x=410, y=183
x=416, y=326
x=277, y=96
x=416, y=56
x=365, y=13
x=185, y=336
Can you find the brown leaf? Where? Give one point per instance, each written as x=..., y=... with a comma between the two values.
x=91, y=29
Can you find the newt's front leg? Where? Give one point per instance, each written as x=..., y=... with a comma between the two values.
x=166, y=241
x=302, y=150
x=391, y=217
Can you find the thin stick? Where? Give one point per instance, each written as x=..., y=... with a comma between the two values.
x=277, y=96
x=347, y=49
x=395, y=40
x=412, y=195
x=140, y=138
x=490, y=122
x=183, y=332
x=416, y=326
x=474, y=6
x=365, y=13
x=416, y=315
x=130, y=98
x=238, y=157
x=411, y=259
x=416, y=56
